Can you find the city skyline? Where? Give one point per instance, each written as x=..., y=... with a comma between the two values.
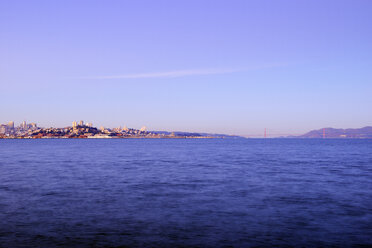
x=11, y=130
x=24, y=125
x=212, y=66
x=82, y=130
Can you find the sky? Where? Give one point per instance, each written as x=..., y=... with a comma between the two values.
x=234, y=67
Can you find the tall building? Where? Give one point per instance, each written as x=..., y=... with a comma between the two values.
x=24, y=125
x=3, y=129
x=11, y=124
x=81, y=123
x=90, y=124
x=74, y=124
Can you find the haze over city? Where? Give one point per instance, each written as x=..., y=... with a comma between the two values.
x=232, y=67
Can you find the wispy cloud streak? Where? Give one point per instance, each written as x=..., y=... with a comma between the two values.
x=181, y=73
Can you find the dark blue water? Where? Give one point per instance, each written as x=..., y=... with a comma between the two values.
x=185, y=192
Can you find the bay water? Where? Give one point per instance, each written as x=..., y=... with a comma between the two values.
x=185, y=192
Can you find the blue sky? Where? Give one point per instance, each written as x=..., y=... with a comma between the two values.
x=232, y=67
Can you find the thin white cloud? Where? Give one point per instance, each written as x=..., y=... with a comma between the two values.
x=181, y=73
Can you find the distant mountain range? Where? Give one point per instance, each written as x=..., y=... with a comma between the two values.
x=359, y=133
x=189, y=134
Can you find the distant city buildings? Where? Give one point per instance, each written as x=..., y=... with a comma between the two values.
x=24, y=125
x=81, y=124
x=11, y=124
x=7, y=129
x=79, y=130
x=10, y=129
x=3, y=129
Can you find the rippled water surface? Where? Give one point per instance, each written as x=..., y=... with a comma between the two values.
x=185, y=192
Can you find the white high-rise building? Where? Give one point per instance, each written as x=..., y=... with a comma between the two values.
x=74, y=124
x=81, y=123
x=24, y=125
x=3, y=129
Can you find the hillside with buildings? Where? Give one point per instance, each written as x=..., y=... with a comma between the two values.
x=360, y=133
x=86, y=130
